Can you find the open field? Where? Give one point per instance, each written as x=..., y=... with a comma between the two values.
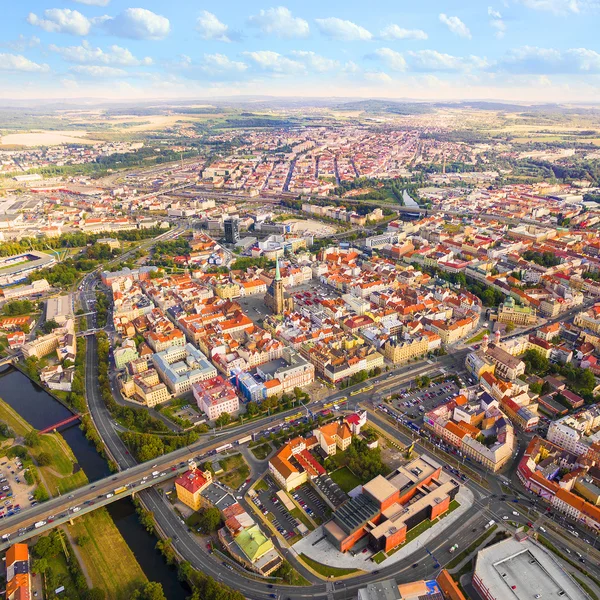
x=46, y=138
x=62, y=474
x=345, y=478
x=236, y=471
x=107, y=558
x=261, y=452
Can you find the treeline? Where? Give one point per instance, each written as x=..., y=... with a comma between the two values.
x=18, y=307
x=76, y=239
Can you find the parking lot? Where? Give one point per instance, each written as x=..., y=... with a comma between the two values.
x=15, y=492
x=268, y=503
x=415, y=403
x=311, y=504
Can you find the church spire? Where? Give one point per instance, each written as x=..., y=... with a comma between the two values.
x=277, y=273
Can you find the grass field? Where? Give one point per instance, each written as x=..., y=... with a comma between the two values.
x=478, y=337
x=261, y=452
x=59, y=475
x=345, y=478
x=326, y=570
x=236, y=471
x=261, y=485
x=106, y=556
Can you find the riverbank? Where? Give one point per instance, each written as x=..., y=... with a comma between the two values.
x=52, y=455
x=105, y=555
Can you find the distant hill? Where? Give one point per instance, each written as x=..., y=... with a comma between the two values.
x=386, y=106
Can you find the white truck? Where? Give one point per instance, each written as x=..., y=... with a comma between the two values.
x=39, y=524
x=488, y=525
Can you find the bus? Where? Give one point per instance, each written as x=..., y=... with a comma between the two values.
x=367, y=388
x=354, y=392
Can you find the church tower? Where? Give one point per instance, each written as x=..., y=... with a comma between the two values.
x=276, y=298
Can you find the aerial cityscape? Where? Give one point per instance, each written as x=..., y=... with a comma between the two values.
x=300, y=302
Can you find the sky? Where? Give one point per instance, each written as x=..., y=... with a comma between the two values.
x=519, y=50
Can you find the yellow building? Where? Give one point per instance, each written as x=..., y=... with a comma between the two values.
x=190, y=485
x=227, y=290
x=398, y=350
x=509, y=312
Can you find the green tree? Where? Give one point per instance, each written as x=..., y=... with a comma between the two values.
x=44, y=459
x=47, y=546
x=223, y=419
x=32, y=438
x=94, y=594
x=252, y=409
x=149, y=591
x=210, y=519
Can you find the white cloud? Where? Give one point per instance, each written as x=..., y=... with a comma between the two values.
x=96, y=71
x=558, y=7
x=378, y=77
x=394, y=32
x=21, y=43
x=218, y=63
x=137, y=24
x=394, y=60
x=340, y=29
x=17, y=62
x=497, y=22
x=314, y=61
x=267, y=60
x=61, y=20
x=279, y=21
x=86, y=54
x=543, y=61
x=456, y=26
x=93, y=2
x=425, y=61
x=210, y=28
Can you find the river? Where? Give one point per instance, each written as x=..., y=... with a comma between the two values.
x=408, y=201
x=143, y=544
x=41, y=410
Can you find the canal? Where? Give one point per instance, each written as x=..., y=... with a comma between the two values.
x=41, y=410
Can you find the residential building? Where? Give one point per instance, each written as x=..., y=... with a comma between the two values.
x=216, y=396
x=18, y=573
x=125, y=354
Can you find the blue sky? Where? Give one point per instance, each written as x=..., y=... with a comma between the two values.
x=532, y=50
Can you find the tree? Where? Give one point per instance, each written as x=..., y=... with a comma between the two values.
x=210, y=519
x=535, y=362
x=252, y=409
x=83, y=540
x=223, y=419
x=94, y=594
x=44, y=459
x=48, y=546
x=40, y=565
x=149, y=591
x=50, y=326
x=510, y=327
x=32, y=438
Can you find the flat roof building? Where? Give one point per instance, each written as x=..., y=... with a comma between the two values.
x=522, y=570
x=59, y=309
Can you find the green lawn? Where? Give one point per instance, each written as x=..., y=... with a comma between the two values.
x=235, y=471
x=261, y=452
x=62, y=474
x=326, y=570
x=261, y=485
x=298, y=514
x=345, y=478
x=478, y=337
x=106, y=556
x=379, y=557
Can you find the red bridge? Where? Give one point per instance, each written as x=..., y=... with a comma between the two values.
x=54, y=427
